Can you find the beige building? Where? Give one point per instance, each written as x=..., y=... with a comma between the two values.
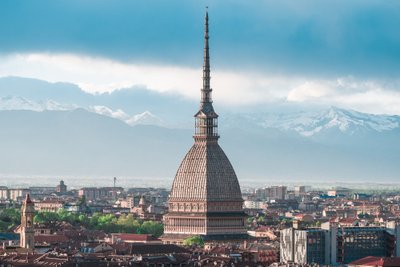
x=94, y=193
x=14, y=194
x=50, y=205
x=205, y=198
x=17, y=194
x=4, y=193
x=276, y=192
x=253, y=204
x=271, y=193
x=128, y=202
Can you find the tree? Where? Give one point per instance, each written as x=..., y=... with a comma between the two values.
x=150, y=227
x=83, y=219
x=9, y=218
x=64, y=215
x=195, y=240
x=127, y=223
x=39, y=218
x=261, y=219
x=109, y=223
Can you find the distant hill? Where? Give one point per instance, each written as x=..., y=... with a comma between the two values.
x=140, y=133
x=80, y=143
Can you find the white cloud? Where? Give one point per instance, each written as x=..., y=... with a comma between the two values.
x=375, y=101
x=96, y=75
x=309, y=90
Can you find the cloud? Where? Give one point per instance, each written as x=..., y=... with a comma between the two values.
x=239, y=88
x=298, y=37
x=372, y=96
x=308, y=91
x=377, y=101
x=94, y=74
x=99, y=75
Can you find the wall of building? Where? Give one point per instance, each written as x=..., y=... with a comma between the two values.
x=332, y=244
x=286, y=245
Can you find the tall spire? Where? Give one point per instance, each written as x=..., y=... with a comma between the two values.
x=28, y=199
x=206, y=118
x=206, y=90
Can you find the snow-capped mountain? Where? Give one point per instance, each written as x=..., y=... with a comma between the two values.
x=348, y=121
x=305, y=123
x=21, y=103
x=313, y=123
x=145, y=118
x=106, y=111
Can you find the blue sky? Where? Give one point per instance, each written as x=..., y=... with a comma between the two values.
x=344, y=53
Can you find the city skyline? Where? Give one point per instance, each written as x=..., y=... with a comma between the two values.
x=290, y=158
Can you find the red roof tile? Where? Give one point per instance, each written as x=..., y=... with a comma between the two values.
x=51, y=239
x=136, y=237
x=377, y=261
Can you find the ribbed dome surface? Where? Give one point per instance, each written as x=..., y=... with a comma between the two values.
x=205, y=174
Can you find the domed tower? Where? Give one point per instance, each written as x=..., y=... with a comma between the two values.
x=27, y=231
x=205, y=198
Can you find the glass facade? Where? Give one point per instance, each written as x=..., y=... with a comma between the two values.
x=316, y=243
x=357, y=242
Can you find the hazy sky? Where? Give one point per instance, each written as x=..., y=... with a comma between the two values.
x=343, y=53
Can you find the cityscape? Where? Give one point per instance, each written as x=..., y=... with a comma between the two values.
x=280, y=178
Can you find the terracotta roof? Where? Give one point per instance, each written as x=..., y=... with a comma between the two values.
x=33, y=260
x=263, y=228
x=137, y=249
x=220, y=250
x=51, y=239
x=136, y=237
x=348, y=220
x=377, y=261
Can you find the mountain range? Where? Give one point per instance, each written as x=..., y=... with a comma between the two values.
x=58, y=129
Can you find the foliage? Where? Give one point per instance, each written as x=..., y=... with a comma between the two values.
x=194, y=241
x=9, y=218
x=261, y=219
x=109, y=223
x=150, y=227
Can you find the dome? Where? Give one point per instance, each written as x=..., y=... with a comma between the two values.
x=205, y=174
